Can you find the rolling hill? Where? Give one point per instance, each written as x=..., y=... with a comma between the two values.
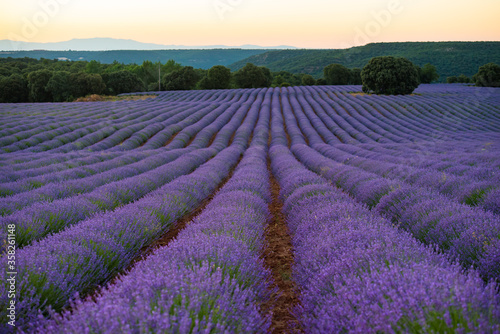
x=450, y=58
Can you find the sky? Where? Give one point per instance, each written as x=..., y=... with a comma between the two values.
x=303, y=24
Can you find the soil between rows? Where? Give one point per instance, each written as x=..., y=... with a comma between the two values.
x=278, y=257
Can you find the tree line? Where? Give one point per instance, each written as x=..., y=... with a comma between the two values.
x=31, y=80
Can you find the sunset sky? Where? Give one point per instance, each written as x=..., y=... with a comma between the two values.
x=305, y=24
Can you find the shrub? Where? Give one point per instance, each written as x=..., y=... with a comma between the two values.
x=336, y=74
x=389, y=75
x=488, y=76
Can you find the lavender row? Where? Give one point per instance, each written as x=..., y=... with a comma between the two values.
x=36, y=221
x=114, y=132
x=52, y=163
x=70, y=188
x=231, y=96
x=158, y=115
x=86, y=184
x=29, y=182
x=178, y=116
x=15, y=129
x=140, y=137
x=51, y=271
x=33, y=161
x=67, y=133
x=119, y=121
x=366, y=107
x=31, y=140
x=455, y=163
x=473, y=111
x=359, y=274
x=40, y=219
x=368, y=115
x=338, y=109
x=468, y=233
x=465, y=189
x=210, y=279
x=449, y=121
x=390, y=119
x=179, y=122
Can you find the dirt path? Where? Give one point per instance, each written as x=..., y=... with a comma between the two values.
x=278, y=256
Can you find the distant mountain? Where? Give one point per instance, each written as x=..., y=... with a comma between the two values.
x=450, y=58
x=106, y=44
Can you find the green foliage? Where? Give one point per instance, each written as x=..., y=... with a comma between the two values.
x=283, y=76
x=59, y=86
x=355, y=76
x=122, y=82
x=183, y=79
x=308, y=80
x=82, y=84
x=462, y=78
x=5, y=71
x=389, y=75
x=196, y=58
x=450, y=58
x=148, y=73
x=452, y=79
x=93, y=67
x=170, y=66
x=252, y=76
x=218, y=77
x=336, y=74
x=37, y=81
x=114, y=67
x=488, y=76
x=428, y=73
x=321, y=82
x=14, y=89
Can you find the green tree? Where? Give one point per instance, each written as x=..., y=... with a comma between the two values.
x=14, y=89
x=308, y=80
x=278, y=80
x=268, y=75
x=114, y=67
x=284, y=76
x=95, y=84
x=170, y=66
x=389, y=75
x=183, y=79
x=59, y=86
x=251, y=76
x=5, y=71
x=93, y=67
x=148, y=73
x=37, y=82
x=355, y=76
x=218, y=77
x=82, y=84
x=321, y=82
x=336, y=74
x=462, y=78
x=78, y=66
x=452, y=79
x=122, y=82
x=428, y=73
x=488, y=76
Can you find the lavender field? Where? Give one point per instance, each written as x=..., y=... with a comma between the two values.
x=314, y=209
